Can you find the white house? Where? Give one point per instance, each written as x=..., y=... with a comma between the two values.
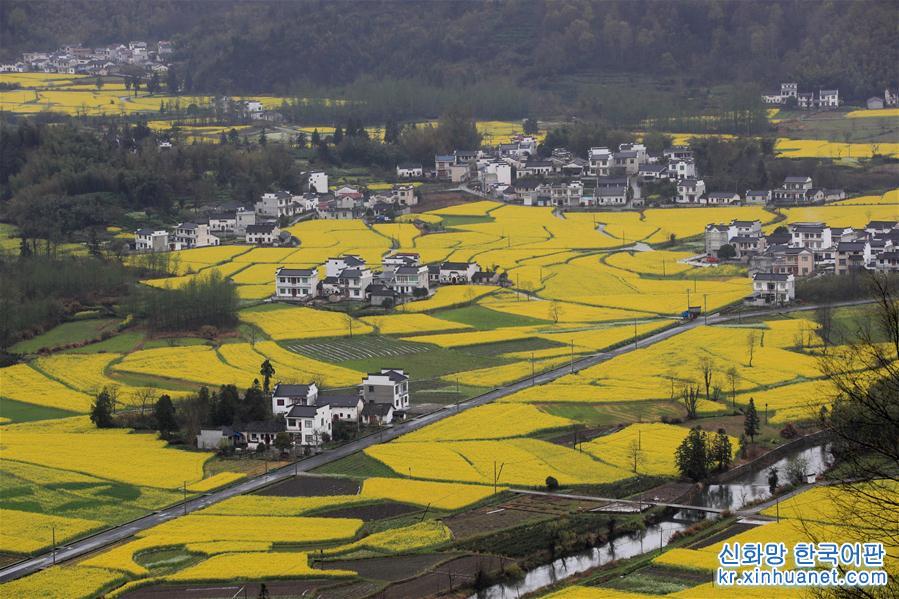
x=814, y=236
x=242, y=219
x=390, y=386
x=681, y=168
x=222, y=223
x=296, y=283
x=334, y=266
x=760, y=196
x=610, y=196
x=409, y=170
x=407, y=279
x=347, y=408
x=690, y=191
x=276, y=204
x=599, y=162
x=458, y=272
x=355, y=282
x=284, y=397
x=789, y=90
x=829, y=98
x=397, y=259
x=190, y=235
x=405, y=194
x=721, y=198
x=772, y=288
x=318, y=182
x=887, y=261
x=150, y=240
x=653, y=171
x=264, y=234
x=309, y=425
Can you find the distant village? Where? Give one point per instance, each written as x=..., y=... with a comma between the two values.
x=800, y=250
x=790, y=96
x=103, y=61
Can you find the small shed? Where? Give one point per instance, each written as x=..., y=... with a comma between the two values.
x=874, y=103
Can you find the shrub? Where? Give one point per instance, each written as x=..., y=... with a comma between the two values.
x=789, y=431
x=551, y=483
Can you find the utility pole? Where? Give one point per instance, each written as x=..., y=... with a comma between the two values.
x=639, y=439
x=688, y=298
x=184, y=488
x=533, y=374
x=53, y=529
x=660, y=539
x=571, y=364
x=766, y=412
x=705, y=306
x=635, y=333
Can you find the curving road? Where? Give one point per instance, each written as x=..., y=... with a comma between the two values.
x=123, y=531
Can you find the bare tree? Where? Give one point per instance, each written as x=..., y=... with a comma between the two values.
x=348, y=321
x=690, y=399
x=635, y=454
x=555, y=311
x=707, y=368
x=864, y=420
x=824, y=318
x=751, y=340
x=144, y=398
x=733, y=375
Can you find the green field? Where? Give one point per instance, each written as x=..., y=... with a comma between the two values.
x=485, y=319
x=17, y=411
x=68, y=332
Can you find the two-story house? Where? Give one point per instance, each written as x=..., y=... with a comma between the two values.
x=681, y=168
x=285, y=396
x=276, y=204
x=772, y=289
x=389, y=386
x=690, y=191
x=851, y=256
x=354, y=282
x=297, y=284
x=309, y=425
x=814, y=236
x=151, y=240
x=599, y=162
x=191, y=235
x=263, y=234
x=406, y=279
x=442, y=164
x=345, y=406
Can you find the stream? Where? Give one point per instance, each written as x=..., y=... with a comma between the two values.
x=752, y=486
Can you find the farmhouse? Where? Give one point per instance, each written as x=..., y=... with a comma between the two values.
x=309, y=425
x=389, y=386
x=191, y=235
x=264, y=234
x=150, y=240
x=409, y=170
x=296, y=283
x=454, y=273
x=690, y=191
x=284, y=397
x=772, y=288
x=852, y=256
x=346, y=407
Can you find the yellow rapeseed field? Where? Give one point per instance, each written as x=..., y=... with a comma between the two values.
x=196, y=528
x=441, y=496
x=265, y=505
x=450, y=295
x=215, y=481
x=63, y=582
x=523, y=461
x=416, y=537
x=492, y=421
x=655, y=445
x=254, y=566
x=27, y=532
x=888, y=197
x=817, y=148
x=297, y=322
x=23, y=383
x=405, y=324
x=75, y=444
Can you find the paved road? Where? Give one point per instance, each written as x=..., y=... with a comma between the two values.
x=113, y=535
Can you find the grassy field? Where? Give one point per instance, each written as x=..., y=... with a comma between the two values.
x=66, y=333
x=17, y=411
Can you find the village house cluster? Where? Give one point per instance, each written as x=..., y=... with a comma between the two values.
x=309, y=415
x=106, y=60
x=402, y=278
x=790, y=94
x=802, y=250
x=262, y=225
x=605, y=179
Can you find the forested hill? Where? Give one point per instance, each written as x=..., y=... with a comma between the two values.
x=284, y=47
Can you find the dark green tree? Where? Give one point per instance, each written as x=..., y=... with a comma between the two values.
x=692, y=455
x=726, y=252
x=751, y=421
x=103, y=408
x=282, y=441
x=255, y=406
x=267, y=371
x=773, y=479
x=338, y=135
x=722, y=450
x=164, y=411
